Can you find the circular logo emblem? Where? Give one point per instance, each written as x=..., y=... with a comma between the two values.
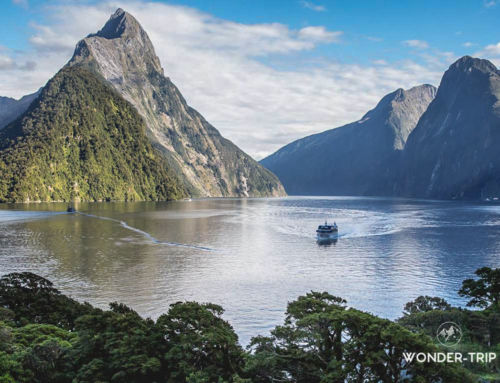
x=449, y=334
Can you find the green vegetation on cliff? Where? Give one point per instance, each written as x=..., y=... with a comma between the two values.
x=82, y=141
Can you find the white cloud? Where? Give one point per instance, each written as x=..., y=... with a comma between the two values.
x=22, y=3
x=490, y=52
x=313, y=7
x=6, y=62
x=420, y=44
x=468, y=44
x=490, y=3
x=218, y=66
x=436, y=59
x=319, y=35
x=48, y=39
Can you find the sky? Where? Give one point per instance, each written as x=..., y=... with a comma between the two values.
x=264, y=73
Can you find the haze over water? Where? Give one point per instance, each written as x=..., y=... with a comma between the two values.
x=252, y=256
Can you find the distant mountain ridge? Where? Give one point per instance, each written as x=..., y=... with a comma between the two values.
x=10, y=108
x=357, y=158
x=445, y=144
x=419, y=142
x=209, y=165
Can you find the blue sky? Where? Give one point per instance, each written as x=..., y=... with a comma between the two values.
x=445, y=25
x=264, y=72
x=371, y=29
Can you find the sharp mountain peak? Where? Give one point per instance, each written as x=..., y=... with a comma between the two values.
x=122, y=53
x=121, y=46
x=120, y=24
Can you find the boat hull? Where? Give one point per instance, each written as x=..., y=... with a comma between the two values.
x=327, y=239
x=332, y=235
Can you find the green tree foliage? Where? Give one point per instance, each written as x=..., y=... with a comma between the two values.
x=323, y=341
x=475, y=325
x=81, y=140
x=426, y=314
x=189, y=343
x=34, y=353
x=480, y=332
x=33, y=299
x=485, y=291
x=48, y=337
x=480, y=328
x=425, y=304
x=202, y=347
x=117, y=346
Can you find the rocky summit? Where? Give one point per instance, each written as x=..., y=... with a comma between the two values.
x=360, y=158
x=207, y=163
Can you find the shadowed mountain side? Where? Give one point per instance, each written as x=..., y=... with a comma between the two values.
x=453, y=151
x=360, y=158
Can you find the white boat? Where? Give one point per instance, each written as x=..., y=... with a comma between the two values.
x=327, y=231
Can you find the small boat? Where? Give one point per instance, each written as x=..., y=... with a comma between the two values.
x=327, y=231
x=70, y=209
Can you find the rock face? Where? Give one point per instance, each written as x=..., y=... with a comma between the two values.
x=209, y=164
x=80, y=140
x=10, y=109
x=360, y=158
x=453, y=151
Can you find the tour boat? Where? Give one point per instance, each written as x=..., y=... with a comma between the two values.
x=327, y=231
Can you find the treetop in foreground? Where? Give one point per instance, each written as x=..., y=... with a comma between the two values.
x=49, y=337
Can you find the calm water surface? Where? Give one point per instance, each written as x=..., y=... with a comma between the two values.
x=252, y=255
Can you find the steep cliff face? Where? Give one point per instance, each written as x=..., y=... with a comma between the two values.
x=10, y=108
x=453, y=151
x=80, y=140
x=209, y=164
x=360, y=158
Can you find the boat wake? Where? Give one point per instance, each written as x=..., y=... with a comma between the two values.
x=352, y=223
x=9, y=216
x=145, y=234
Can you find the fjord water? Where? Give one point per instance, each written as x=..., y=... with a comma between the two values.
x=252, y=256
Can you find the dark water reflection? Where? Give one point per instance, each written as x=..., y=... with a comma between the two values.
x=264, y=252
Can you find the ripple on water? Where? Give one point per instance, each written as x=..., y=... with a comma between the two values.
x=265, y=253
